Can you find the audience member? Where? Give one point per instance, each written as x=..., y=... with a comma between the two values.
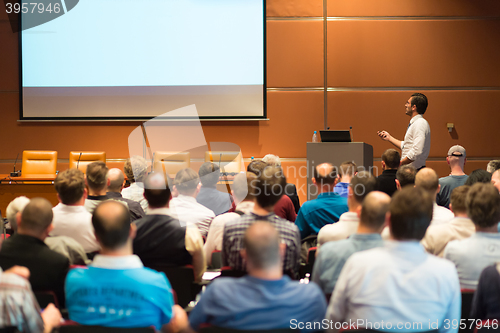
x=347, y=170
x=485, y=303
x=209, y=196
x=473, y=254
x=493, y=166
x=361, y=184
x=333, y=255
x=244, y=200
x=116, y=179
x=97, y=184
x=71, y=219
x=290, y=189
x=428, y=180
x=478, y=176
x=27, y=248
x=495, y=179
x=284, y=207
x=160, y=239
x=405, y=176
x=456, y=160
x=390, y=165
x=265, y=198
x=116, y=290
x=438, y=236
x=399, y=282
x=15, y=206
x=326, y=208
x=264, y=299
x=20, y=306
x=136, y=170
x=184, y=207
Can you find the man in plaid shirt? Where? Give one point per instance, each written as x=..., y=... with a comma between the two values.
x=268, y=189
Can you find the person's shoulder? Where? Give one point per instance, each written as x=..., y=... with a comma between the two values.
x=456, y=247
x=285, y=223
x=438, y=264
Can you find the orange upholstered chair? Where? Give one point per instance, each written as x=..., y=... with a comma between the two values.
x=230, y=161
x=171, y=162
x=39, y=162
x=86, y=158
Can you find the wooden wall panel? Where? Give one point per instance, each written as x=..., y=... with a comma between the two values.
x=292, y=8
x=9, y=63
x=413, y=8
x=378, y=53
x=294, y=54
x=473, y=113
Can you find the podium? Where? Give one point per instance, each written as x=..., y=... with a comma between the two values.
x=336, y=153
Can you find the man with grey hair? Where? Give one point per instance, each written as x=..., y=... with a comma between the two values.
x=116, y=179
x=290, y=188
x=493, y=166
x=209, y=196
x=264, y=299
x=456, y=160
x=16, y=206
x=136, y=170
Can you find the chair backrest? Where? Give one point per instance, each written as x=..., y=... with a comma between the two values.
x=181, y=279
x=230, y=161
x=44, y=298
x=216, y=259
x=86, y=157
x=467, y=296
x=39, y=162
x=170, y=162
x=216, y=329
x=101, y=329
x=10, y=329
x=228, y=271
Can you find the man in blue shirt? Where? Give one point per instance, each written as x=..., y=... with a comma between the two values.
x=264, y=299
x=326, y=208
x=347, y=170
x=116, y=290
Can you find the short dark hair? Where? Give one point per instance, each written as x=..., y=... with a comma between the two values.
x=325, y=179
x=156, y=190
x=269, y=187
x=257, y=167
x=97, y=175
x=348, y=168
x=242, y=185
x=420, y=101
x=406, y=175
x=70, y=185
x=112, y=232
x=262, y=245
x=186, y=181
x=373, y=210
x=478, y=176
x=361, y=184
x=483, y=205
x=37, y=215
x=209, y=174
x=411, y=213
x=391, y=158
x=458, y=198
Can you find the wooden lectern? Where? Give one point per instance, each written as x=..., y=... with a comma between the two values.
x=336, y=153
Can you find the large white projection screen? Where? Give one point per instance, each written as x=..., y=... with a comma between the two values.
x=140, y=59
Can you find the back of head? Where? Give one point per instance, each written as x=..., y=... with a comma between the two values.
x=493, y=166
x=256, y=167
x=156, y=190
x=483, y=205
x=456, y=156
x=428, y=180
x=458, y=198
x=242, y=186
x=136, y=169
x=391, y=158
x=411, y=213
x=209, y=174
x=262, y=245
x=362, y=184
x=269, y=187
x=406, y=175
x=271, y=159
x=186, y=181
x=478, y=176
x=111, y=221
x=373, y=210
x=97, y=175
x=70, y=185
x=36, y=216
x=325, y=174
x=348, y=168
x=16, y=206
x=116, y=179
x=420, y=101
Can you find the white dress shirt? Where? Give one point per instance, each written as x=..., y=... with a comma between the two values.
x=136, y=192
x=75, y=222
x=188, y=211
x=417, y=142
x=441, y=215
x=437, y=236
x=398, y=283
x=346, y=226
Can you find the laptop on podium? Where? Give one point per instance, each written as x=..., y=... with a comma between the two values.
x=335, y=136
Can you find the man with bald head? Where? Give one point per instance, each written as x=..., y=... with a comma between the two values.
x=27, y=248
x=427, y=179
x=116, y=179
x=326, y=208
x=264, y=299
x=372, y=214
